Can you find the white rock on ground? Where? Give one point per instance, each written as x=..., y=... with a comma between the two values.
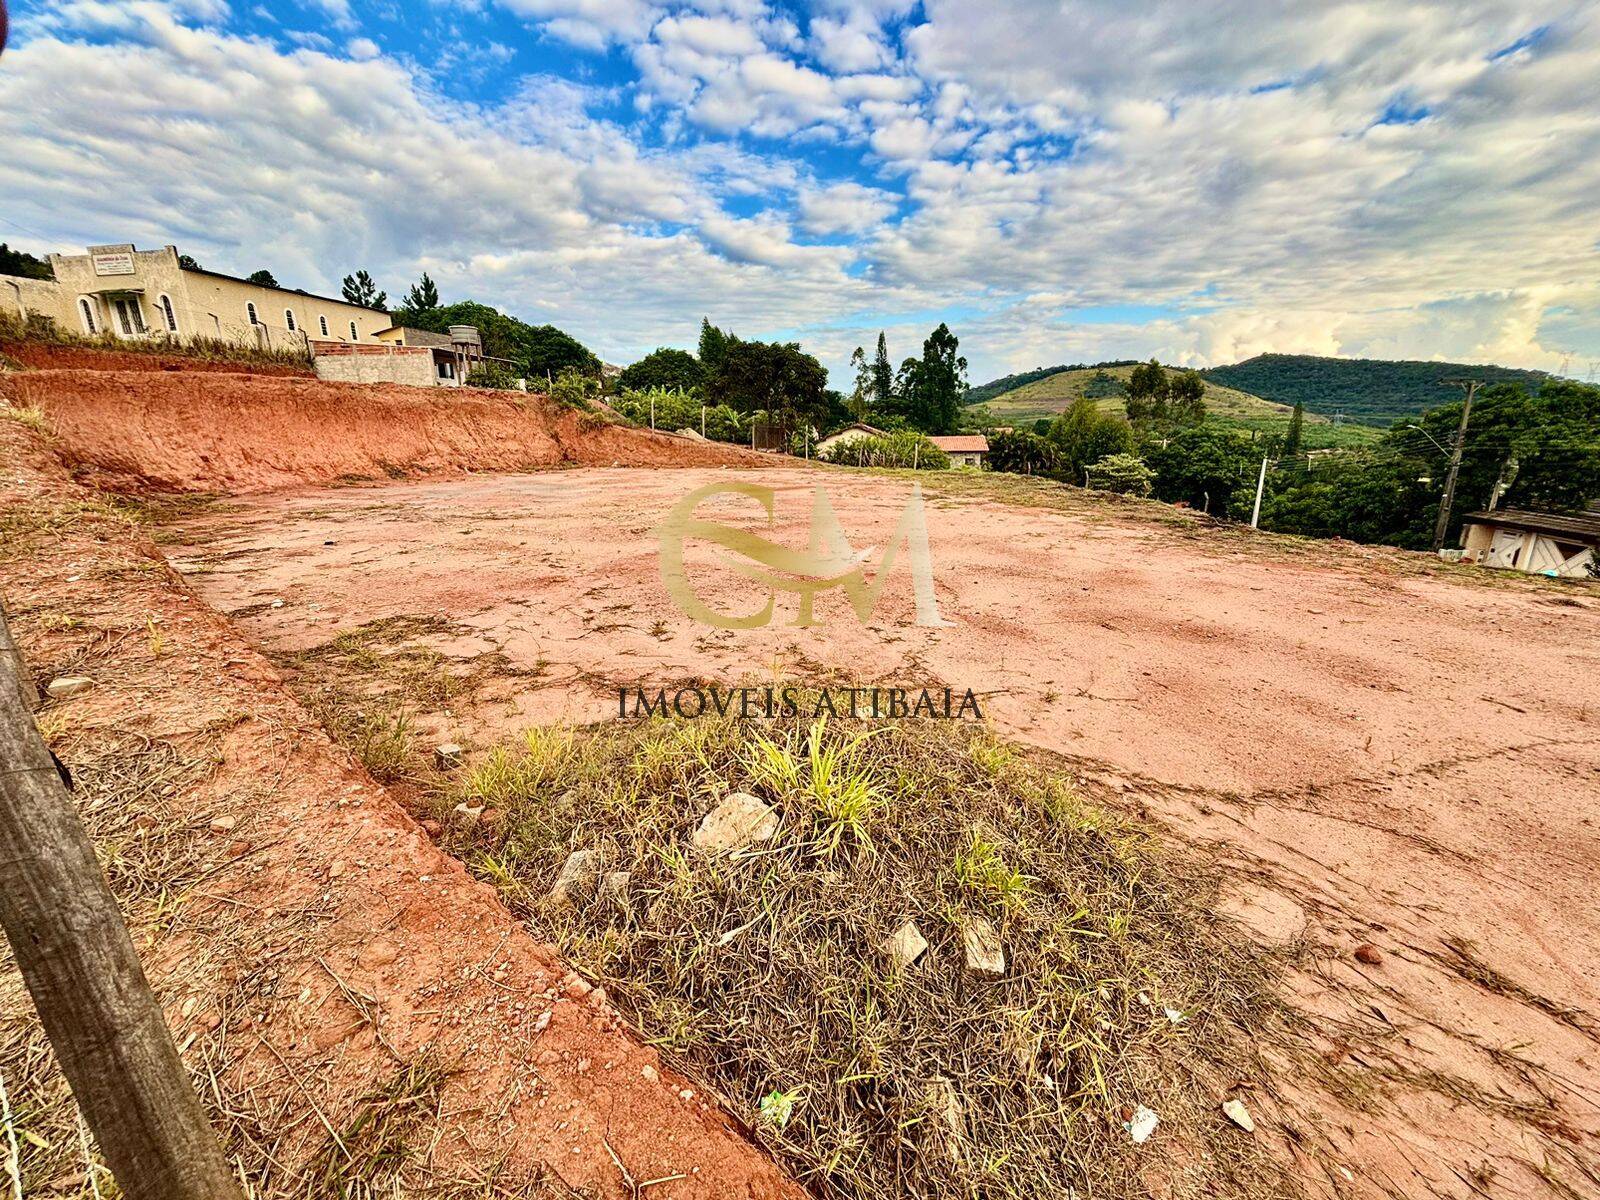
x=68, y=685
x=740, y=820
x=448, y=756
x=1142, y=1124
x=986, y=957
x=578, y=874
x=905, y=945
x=1236, y=1112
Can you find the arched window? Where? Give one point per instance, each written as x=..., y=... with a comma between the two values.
x=86, y=311
x=250, y=311
x=322, y=323
x=354, y=336
x=167, y=315
x=288, y=319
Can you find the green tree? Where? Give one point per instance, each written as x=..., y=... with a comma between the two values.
x=776, y=378
x=713, y=346
x=20, y=262
x=941, y=383
x=882, y=376
x=1147, y=394
x=1083, y=435
x=263, y=277
x=1204, y=467
x=664, y=368
x=540, y=352
x=1186, y=399
x=861, y=390
x=359, y=289
x=186, y=262
x=1297, y=422
x=423, y=294
x=902, y=448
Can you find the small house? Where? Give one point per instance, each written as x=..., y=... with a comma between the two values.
x=844, y=437
x=1556, y=544
x=964, y=449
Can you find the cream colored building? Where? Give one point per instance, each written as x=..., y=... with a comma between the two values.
x=131, y=293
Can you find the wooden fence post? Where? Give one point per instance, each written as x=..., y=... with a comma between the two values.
x=79, y=964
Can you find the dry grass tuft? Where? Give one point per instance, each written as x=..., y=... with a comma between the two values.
x=763, y=977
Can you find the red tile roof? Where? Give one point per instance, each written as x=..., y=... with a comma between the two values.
x=962, y=443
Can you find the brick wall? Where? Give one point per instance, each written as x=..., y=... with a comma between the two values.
x=347, y=362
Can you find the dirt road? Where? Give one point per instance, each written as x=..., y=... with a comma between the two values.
x=1389, y=759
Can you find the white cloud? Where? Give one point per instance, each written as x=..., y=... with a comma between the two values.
x=362, y=48
x=843, y=208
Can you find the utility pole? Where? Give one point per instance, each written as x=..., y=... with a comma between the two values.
x=1261, y=487
x=1471, y=386
x=80, y=967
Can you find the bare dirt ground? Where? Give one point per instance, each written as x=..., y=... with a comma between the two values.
x=360, y=1016
x=1387, y=756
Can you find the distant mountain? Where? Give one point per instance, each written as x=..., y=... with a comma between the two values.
x=1044, y=394
x=1367, y=390
x=1010, y=383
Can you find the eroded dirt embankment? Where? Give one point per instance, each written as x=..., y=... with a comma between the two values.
x=357, y=1007
x=210, y=432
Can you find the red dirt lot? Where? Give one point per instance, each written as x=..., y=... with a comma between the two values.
x=314, y=945
x=1388, y=755
x=144, y=430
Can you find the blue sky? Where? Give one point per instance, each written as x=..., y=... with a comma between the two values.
x=1057, y=180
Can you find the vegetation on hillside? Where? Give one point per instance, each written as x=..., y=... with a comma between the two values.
x=1536, y=450
x=39, y=328
x=23, y=264
x=1009, y=383
x=1373, y=391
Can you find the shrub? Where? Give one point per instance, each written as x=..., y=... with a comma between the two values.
x=1125, y=473
x=902, y=448
x=491, y=374
x=574, y=388
x=677, y=409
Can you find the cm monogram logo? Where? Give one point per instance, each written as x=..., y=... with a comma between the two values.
x=827, y=562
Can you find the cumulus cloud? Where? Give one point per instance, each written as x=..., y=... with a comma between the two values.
x=1414, y=179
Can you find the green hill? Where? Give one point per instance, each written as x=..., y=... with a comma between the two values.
x=1366, y=390
x=1047, y=395
x=1008, y=383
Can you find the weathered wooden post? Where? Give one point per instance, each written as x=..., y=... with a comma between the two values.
x=79, y=964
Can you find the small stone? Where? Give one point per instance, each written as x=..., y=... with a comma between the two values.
x=223, y=824
x=1369, y=954
x=1142, y=1123
x=905, y=945
x=650, y=1073
x=740, y=820
x=277, y=604
x=548, y=1058
x=986, y=957
x=468, y=814
x=68, y=685
x=432, y=828
x=238, y=849
x=1236, y=1112
x=448, y=756
x=578, y=874
x=614, y=886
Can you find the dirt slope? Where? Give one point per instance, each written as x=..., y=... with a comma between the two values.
x=198, y=431
x=340, y=986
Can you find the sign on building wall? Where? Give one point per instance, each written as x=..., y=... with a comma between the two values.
x=112, y=260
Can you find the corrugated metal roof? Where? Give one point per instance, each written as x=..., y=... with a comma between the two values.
x=1583, y=526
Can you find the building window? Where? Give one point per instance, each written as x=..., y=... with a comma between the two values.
x=167, y=314
x=288, y=319
x=250, y=311
x=322, y=323
x=447, y=369
x=86, y=311
x=354, y=336
x=129, y=318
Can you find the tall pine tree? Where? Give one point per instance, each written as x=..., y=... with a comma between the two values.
x=882, y=376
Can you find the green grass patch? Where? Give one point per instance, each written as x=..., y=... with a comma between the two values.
x=762, y=974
